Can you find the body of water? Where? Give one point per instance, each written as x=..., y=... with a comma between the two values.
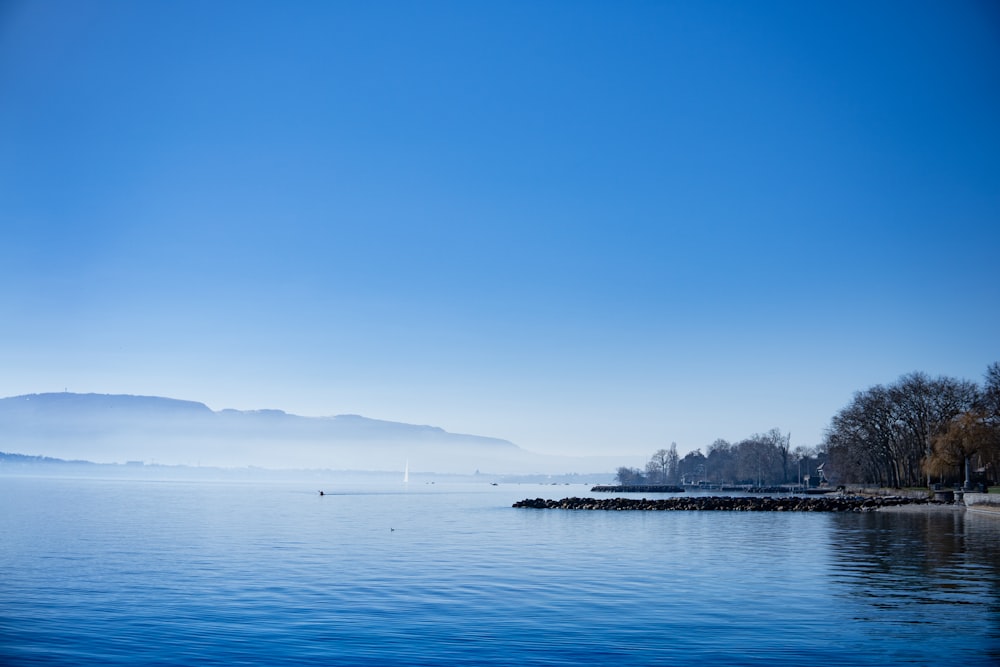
x=108, y=572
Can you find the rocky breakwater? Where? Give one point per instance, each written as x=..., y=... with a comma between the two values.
x=726, y=503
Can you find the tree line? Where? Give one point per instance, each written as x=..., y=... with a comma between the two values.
x=763, y=459
x=917, y=431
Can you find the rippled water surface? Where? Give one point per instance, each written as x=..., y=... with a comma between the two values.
x=125, y=572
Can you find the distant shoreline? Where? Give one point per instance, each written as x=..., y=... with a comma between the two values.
x=27, y=465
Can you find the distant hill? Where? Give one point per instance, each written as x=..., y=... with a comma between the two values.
x=116, y=428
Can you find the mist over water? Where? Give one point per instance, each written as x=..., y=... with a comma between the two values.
x=125, y=572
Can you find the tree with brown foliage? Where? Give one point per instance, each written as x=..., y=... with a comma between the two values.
x=969, y=436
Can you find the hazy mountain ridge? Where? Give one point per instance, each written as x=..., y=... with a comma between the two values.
x=113, y=410
x=122, y=427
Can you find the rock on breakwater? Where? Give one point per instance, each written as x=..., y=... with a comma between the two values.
x=726, y=503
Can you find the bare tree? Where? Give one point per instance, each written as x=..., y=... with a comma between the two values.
x=861, y=439
x=759, y=459
x=989, y=398
x=782, y=448
x=658, y=467
x=663, y=467
x=673, y=464
x=925, y=407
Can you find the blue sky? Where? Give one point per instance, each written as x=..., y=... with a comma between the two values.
x=586, y=227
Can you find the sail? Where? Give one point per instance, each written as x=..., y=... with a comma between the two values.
x=406, y=472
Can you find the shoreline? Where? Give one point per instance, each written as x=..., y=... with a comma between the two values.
x=925, y=507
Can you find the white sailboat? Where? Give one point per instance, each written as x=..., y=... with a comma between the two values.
x=406, y=472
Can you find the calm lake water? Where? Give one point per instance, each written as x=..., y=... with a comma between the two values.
x=126, y=572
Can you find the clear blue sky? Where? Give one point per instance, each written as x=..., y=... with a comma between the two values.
x=591, y=227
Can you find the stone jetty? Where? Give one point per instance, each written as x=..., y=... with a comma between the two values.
x=727, y=503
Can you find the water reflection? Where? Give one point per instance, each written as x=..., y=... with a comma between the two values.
x=937, y=571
